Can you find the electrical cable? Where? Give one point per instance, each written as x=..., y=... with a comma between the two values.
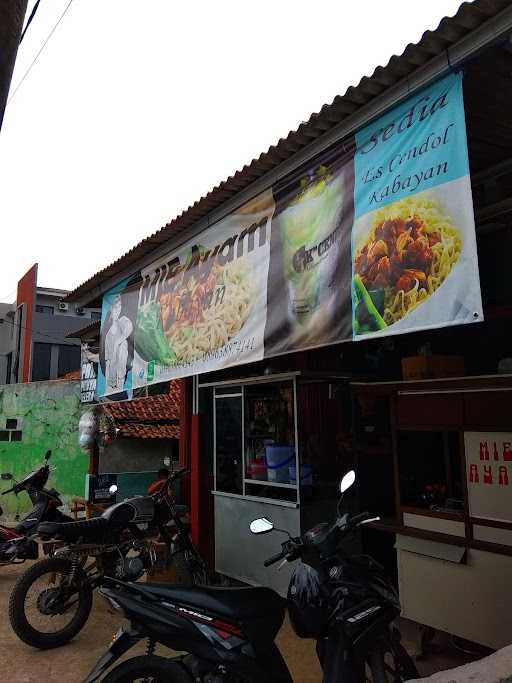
x=7, y=297
x=38, y=53
x=32, y=15
x=41, y=334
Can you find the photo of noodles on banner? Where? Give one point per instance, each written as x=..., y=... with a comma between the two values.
x=204, y=306
x=408, y=253
x=414, y=259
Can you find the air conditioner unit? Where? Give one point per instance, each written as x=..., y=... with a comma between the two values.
x=79, y=310
x=63, y=306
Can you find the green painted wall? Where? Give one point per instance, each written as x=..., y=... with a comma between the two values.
x=47, y=415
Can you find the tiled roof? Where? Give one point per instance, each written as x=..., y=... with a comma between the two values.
x=154, y=417
x=399, y=70
x=150, y=409
x=134, y=430
x=74, y=374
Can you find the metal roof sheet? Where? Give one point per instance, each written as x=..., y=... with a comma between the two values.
x=92, y=329
x=451, y=30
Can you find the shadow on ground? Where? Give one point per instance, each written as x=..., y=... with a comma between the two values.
x=71, y=663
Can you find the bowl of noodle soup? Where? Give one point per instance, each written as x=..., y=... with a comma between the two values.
x=410, y=250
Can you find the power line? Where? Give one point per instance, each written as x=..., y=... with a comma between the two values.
x=32, y=15
x=7, y=297
x=57, y=340
x=39, y=52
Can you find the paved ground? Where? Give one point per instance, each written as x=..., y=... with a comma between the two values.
x=70, y=664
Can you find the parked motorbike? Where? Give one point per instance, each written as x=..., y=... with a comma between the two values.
x=52, y=600
x=15, y=544
x=343, y=602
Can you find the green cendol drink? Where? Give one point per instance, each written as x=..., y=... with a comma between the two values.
x=311, y=238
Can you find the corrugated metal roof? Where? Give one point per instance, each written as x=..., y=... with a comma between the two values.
x=469, y=17
x=90, y=330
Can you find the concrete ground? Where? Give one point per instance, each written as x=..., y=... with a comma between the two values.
x=70, y=664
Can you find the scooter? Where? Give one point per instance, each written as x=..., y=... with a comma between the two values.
x=15, y=546
x=343, y=602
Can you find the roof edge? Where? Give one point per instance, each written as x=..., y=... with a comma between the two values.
x=188, y=224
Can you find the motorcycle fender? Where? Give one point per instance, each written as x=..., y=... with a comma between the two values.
x=122, y=642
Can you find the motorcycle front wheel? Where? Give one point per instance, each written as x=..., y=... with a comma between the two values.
x=148, y=670
x=48, y=607
x=390, y=663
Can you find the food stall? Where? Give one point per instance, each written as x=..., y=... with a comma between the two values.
x=265, y=430
x=289, y=300
x=450, y=454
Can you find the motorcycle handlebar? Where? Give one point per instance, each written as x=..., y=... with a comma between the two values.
x=357, y=519
x=177, y=474
x=275, y=558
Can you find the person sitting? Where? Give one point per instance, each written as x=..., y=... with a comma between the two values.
x=158, y=484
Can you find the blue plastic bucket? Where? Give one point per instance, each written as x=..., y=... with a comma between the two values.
x=278, y=460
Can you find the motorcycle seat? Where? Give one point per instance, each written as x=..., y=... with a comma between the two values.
x=237, y=604
x=72, y=531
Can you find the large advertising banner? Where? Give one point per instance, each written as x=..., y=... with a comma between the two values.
x=204, y=307
x=413, y=243
x=374, y=237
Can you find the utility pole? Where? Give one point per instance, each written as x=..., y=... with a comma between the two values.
x=12, y=16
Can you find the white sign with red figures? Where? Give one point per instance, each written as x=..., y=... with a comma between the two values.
x=489, y=474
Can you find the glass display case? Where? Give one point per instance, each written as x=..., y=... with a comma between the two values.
x=255, y=440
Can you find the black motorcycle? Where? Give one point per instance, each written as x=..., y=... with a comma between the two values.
x=344, y=602
x=15, y=546
x=51, y=602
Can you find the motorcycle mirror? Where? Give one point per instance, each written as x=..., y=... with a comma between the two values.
x=347, y=481
x=48, y=455
x=6, y=476
x=112, y=489
x=261, y=526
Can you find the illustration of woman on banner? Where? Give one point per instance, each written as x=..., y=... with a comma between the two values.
x=118, y=346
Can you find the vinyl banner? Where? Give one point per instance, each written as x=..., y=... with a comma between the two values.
x=118, y=315
x=413, y=243
x=204, y=307
x=374, y=237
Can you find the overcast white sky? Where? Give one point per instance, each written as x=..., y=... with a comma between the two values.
x=135, y=110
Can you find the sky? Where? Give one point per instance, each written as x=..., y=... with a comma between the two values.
x=129, y=116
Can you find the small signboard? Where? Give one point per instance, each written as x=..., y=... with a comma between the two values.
x=89, y=373
x=98, y=488
x=489, y=474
